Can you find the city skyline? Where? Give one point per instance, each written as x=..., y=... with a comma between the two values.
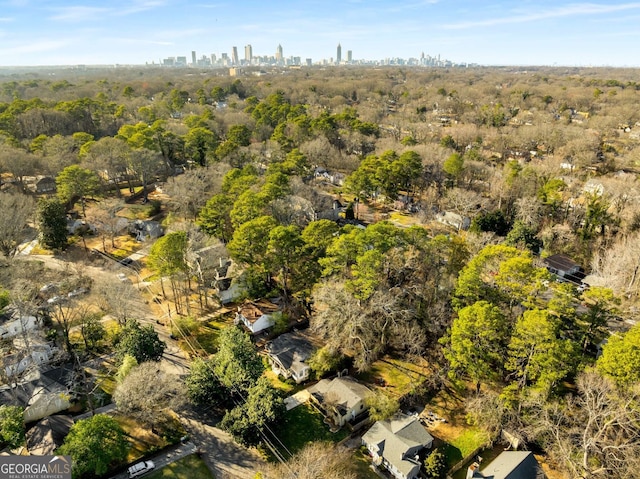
x=546, y=32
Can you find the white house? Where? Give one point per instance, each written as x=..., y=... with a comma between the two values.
x=36, y=353
x=341, y=399
x=449, y=218
x=17, y=326
x=396, y=442
x=257, y=315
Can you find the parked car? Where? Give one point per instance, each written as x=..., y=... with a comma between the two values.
x=141, y=468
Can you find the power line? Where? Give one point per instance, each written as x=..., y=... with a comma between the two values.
x=239, y=394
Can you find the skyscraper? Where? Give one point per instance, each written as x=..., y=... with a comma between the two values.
x=279, y=55
x=234, y=56
x=193, y=57
x=248, y=54
x=338, y=54
x=349, y=56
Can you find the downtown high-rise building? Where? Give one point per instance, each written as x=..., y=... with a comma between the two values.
x=349, y=56
x=193, y=57
x=338, y=54
x=234, y=56
x=248, y=54
x=279, y=55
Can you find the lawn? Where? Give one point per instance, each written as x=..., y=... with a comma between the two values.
x=458, y=447
x=286, y=388
x=303, y=425
x=399, y=377
x=190, y=467
x=363, y=465
x=142, y=440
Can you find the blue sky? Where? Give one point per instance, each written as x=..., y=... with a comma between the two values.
x=525, y=32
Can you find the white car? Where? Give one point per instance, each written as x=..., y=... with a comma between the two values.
x=123, y=278
x=141, y=468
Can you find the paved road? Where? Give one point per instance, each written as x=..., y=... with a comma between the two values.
x=226, y=458
x=166, y=457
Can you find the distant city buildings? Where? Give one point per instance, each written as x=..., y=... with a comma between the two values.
x=234, y=56
x=250, y=59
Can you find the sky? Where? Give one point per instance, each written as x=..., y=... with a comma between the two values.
x=524, y=32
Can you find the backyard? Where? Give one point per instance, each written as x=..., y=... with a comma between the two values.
x=302, y=425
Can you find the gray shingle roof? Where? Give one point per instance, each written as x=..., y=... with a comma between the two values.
x=513, y=465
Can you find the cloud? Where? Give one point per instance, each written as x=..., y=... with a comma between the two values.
x=82, y=13
x=79, y=13
x=140, y=6
x=566, y=11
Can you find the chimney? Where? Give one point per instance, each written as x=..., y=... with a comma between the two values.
x=474, y=471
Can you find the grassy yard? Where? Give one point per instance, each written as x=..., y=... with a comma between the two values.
x=286, y=388
x=303, y=425
x=399, y=377
x=190, y=467
x=142, y=440
x=460, y=446
x=363, y=465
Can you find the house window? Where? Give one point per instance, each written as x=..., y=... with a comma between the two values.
x=361, y=406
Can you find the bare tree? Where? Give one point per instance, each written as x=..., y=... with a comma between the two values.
x=594, y=434
x=189, y=192
x=370, y=327
x=15, y=211
x=149, y=400
x=464, y=202
x=117, y=298
x=316, y=460
x=105, y=217
x=619, y=266
x=108, y=157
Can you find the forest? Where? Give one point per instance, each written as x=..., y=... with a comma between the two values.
x=402, y=212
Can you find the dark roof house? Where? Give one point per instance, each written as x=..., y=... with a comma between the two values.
x=48, y=434
x=287, y=355
x=564, y=267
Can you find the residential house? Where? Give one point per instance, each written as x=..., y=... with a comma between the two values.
x=28, y=353
x=564, y=267
x=287, y=355
x=593, y=188
x=257, y=315
x=508, y=465
x=49, y=392
x=331, y=209
x=396, y=442
x=449, y=218
x=75, y=226
x=45, y=185
x=341, y=399
x=146, y=230
x=334, y=177
x=17, y=324
x=48, y=435
x=227, y=283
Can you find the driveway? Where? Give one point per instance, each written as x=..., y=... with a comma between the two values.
x=225, y=458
